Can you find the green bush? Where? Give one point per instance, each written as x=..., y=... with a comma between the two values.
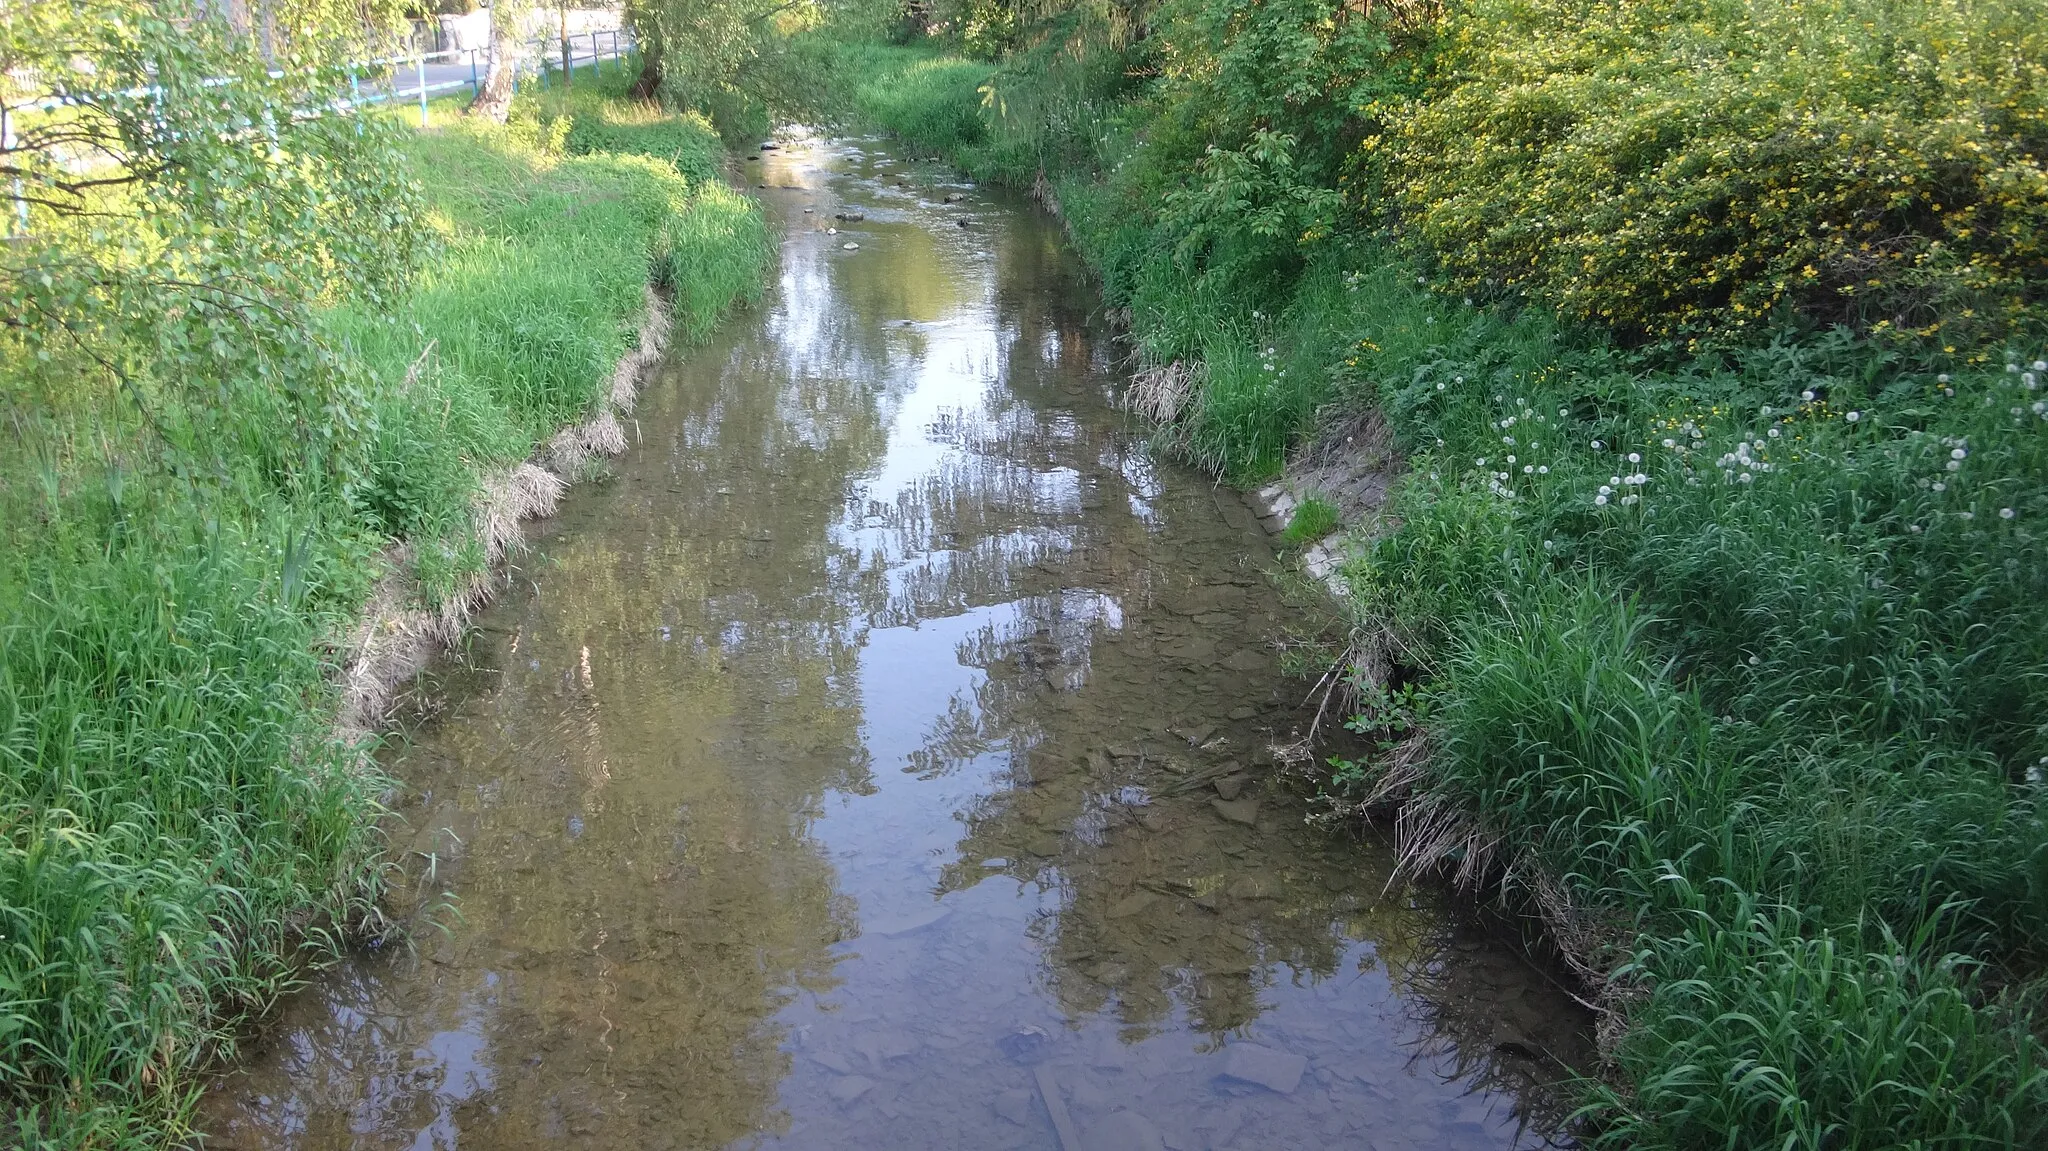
x=1767, y=1033
x=1313, y=519
x=1675, y=166
x=929, y=103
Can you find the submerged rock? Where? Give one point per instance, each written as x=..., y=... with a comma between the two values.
x=906, y=924
x=1015, y=1106
x=1274, y=1070
x=850, y=1088
x=1245, y=811
x=1132, y=904
x=1124, y=1131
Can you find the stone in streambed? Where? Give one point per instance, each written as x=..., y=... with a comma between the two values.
x=906, y=924
x=1015, y=1106
x=850, y=1088
x=1231, y=786
x=1245, y=811
x=1131, y=905
x=1274, y=1070
x=1248, y=660
x=1124, y=1131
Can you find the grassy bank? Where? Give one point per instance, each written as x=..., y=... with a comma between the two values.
x=1711, y=591
x=181, y=555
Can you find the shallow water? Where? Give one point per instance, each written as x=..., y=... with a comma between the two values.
x=879, y=757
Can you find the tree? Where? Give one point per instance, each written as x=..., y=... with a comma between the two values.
x=692, y=49
x=494, y=98
x=177, y=205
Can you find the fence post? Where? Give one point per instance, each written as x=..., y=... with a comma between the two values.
x=423, y=87
x=474, y=87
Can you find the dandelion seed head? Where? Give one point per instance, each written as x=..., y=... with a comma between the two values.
x=1958, y=453
x=2006, y=513
x=1600, y=501
x=1853, y=417
x=1939, y=486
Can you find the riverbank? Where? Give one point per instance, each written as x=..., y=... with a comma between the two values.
x=200, y=625
x=1718, y=652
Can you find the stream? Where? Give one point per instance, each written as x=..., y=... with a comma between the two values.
x=879, y=757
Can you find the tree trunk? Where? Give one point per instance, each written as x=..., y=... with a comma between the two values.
x=645, y=18
x=494, y=96
x=648, y=86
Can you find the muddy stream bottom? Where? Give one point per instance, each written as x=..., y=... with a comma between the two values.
x=880, y=757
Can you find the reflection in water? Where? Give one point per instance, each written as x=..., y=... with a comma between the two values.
x=878, y=760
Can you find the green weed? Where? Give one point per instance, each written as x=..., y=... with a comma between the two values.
x=1313, y=519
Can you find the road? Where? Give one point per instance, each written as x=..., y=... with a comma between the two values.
x=455, y=73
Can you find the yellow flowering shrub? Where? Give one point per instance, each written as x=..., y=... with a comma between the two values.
x=1666, y=166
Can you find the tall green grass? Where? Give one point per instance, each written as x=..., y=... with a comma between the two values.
x=183, y=834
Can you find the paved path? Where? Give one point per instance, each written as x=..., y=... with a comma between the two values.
x=454, y=74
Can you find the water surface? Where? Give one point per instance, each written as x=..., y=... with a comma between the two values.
x=879, y=757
